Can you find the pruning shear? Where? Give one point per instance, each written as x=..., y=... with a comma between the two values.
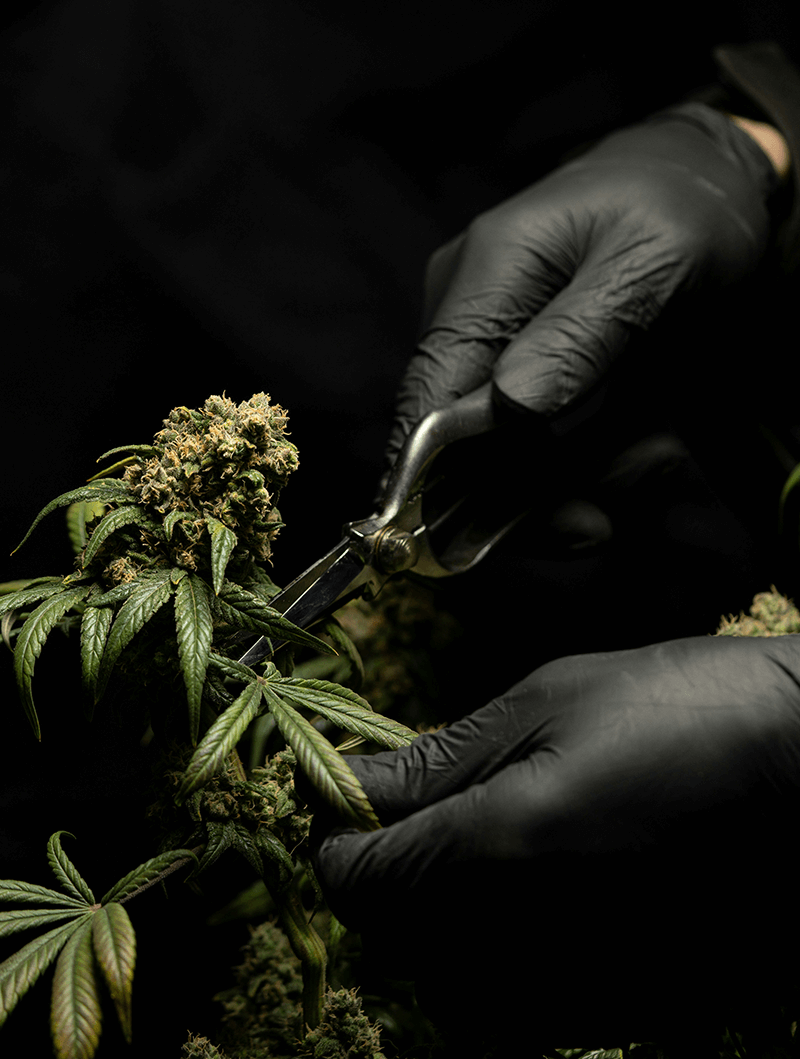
x=430, y=524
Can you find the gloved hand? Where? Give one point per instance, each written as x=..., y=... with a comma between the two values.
x=542, y=293
x=606, y=847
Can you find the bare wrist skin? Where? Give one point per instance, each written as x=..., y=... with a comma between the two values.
x=769, y=140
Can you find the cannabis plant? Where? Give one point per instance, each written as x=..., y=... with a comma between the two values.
x=169, y=579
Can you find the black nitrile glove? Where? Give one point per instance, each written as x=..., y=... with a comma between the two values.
x=607, y=847
x=542, y=293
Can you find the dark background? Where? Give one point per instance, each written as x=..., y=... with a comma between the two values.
x=240, y=196
x=243, y=196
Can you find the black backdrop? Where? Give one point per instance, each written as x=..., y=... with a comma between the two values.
x=242, y=196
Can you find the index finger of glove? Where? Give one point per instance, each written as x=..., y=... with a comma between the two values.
x=481, y=290
x=439, y=764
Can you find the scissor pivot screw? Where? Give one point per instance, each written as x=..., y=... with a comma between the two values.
x=396, y=550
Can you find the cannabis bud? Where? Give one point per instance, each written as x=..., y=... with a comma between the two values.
x=224, y=462
x=771, y=614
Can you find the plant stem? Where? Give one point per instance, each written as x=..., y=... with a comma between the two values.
x=309, y=948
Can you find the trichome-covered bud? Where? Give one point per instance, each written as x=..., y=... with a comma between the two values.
x=225, y=461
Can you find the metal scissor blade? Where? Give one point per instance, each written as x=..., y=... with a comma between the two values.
x=334, y=579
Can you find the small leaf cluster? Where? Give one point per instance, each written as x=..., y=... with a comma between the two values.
x=288, y=699
x=93, y=939
x=257, y=816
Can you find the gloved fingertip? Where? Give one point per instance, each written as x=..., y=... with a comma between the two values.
x=513, y=413
x=328, y=845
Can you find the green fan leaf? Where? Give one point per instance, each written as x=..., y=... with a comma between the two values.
x=174, y=517
x=32, y=594
x=216, y=693
x=20, y=971
x=327, y=770
x=266, y=619
x=223, y=541
x=228, y=615
x=345, y=647
x=234, y=669
x=25, y=918
x=147, y=873
x=75, y=1016
x=77, y=517
x=126, y=461
x=220, y=739
x=220, y=838
x=65, y=871
x=275, y=857
x=105, y=491
x=95, y=625
x=259, y=581
x=31, y=640
x=346, y=709
x=789, y=485
x=114, y=942
x=142, y=450
x=243, y=843
x=118, y=594
x=116, y=520
x=23, y=893
x=147, y=597
x=6, y=625
x=194, y=628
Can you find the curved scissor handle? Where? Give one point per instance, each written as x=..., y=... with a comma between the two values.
x=468, y=416
x=400, y=538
